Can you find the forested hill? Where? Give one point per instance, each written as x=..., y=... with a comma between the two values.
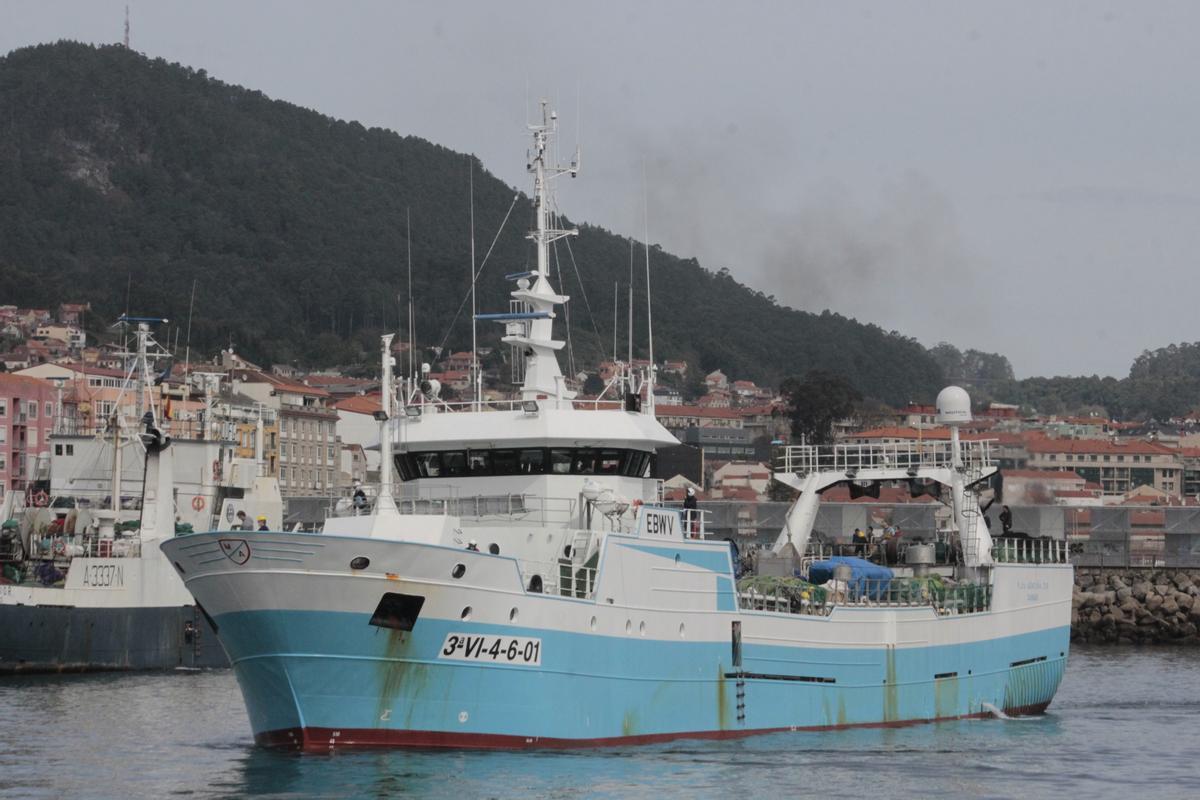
x=123, y=174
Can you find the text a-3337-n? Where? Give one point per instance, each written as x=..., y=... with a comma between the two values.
x=519, y=650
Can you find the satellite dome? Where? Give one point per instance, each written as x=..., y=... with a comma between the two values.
x=953, y=406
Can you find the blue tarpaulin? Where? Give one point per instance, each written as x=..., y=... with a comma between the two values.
x=865, y=577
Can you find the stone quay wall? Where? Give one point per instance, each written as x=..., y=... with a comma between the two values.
x=1136, y=605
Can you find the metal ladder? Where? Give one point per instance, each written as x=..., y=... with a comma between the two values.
x=573, y=577
x=971, y=513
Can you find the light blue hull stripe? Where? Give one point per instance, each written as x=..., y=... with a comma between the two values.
x=334, y=670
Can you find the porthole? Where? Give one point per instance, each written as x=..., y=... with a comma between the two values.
x=360, y=562
x=466, y=612
x=592, y=624
x=642, y=629
x=512, y=615
x=458, y=571
x=629, y=626
x=494, y=549
x=567, y=551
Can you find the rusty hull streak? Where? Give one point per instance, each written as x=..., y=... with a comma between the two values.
x=891, y=692
x=397, y=675
x=722, y=699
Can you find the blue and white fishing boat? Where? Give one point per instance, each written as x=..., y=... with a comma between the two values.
x=517, y=583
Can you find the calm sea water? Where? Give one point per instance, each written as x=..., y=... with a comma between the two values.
x=1124, y=724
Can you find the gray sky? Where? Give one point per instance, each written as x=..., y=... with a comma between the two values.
x=1017, y=177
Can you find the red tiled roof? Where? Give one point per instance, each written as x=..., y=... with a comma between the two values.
x=1042, y=474
x=1008, y=439
x=763, y=410
x=258, y=376
x=84, y=369
x=9, y=379
x=362, y=404
x=1099, y=446
x=893, y=432
x=336, y=380
x=695, y=411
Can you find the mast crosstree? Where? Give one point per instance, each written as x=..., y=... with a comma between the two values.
x=529, y=326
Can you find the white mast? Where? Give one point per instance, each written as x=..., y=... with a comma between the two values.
x=649, y=311
x=412, y=329
x=476, y=388
x=386, y=503
x=543, y=377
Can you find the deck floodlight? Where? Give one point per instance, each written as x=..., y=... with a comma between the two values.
x=530, y=406
x=380, y=415
x=412, y=411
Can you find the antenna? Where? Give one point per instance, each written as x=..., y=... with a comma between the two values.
x=187, y=357
x=475, y=383
x=629, y=342
x=649, y=310
x=412, y=327
x=578, y=121
x=616, y=306
x=126, y=26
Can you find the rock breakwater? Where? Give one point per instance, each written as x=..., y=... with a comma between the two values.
x=1136, y=606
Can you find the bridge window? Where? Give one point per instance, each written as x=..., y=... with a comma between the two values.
x=532, y=461
x=479, y=462
x=560, y=462
x=454, y=464
x=526, y=461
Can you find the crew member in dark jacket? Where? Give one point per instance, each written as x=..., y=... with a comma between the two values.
x=691, y=514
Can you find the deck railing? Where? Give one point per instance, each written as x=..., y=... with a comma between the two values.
x=853, y=458
x=525, y=406
x=66, y=547
x=1030, y=551
x=527, y=508
x=563, y=578
x=961, y=598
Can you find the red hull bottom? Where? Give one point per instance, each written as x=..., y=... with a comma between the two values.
x=322, y=740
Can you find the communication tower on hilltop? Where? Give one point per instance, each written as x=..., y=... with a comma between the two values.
x=126, y=26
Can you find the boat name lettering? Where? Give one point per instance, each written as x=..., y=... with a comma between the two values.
x=5, y=590
x=103, y=576
x=498, y=649
x=659, y=523
x=1033, y=585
